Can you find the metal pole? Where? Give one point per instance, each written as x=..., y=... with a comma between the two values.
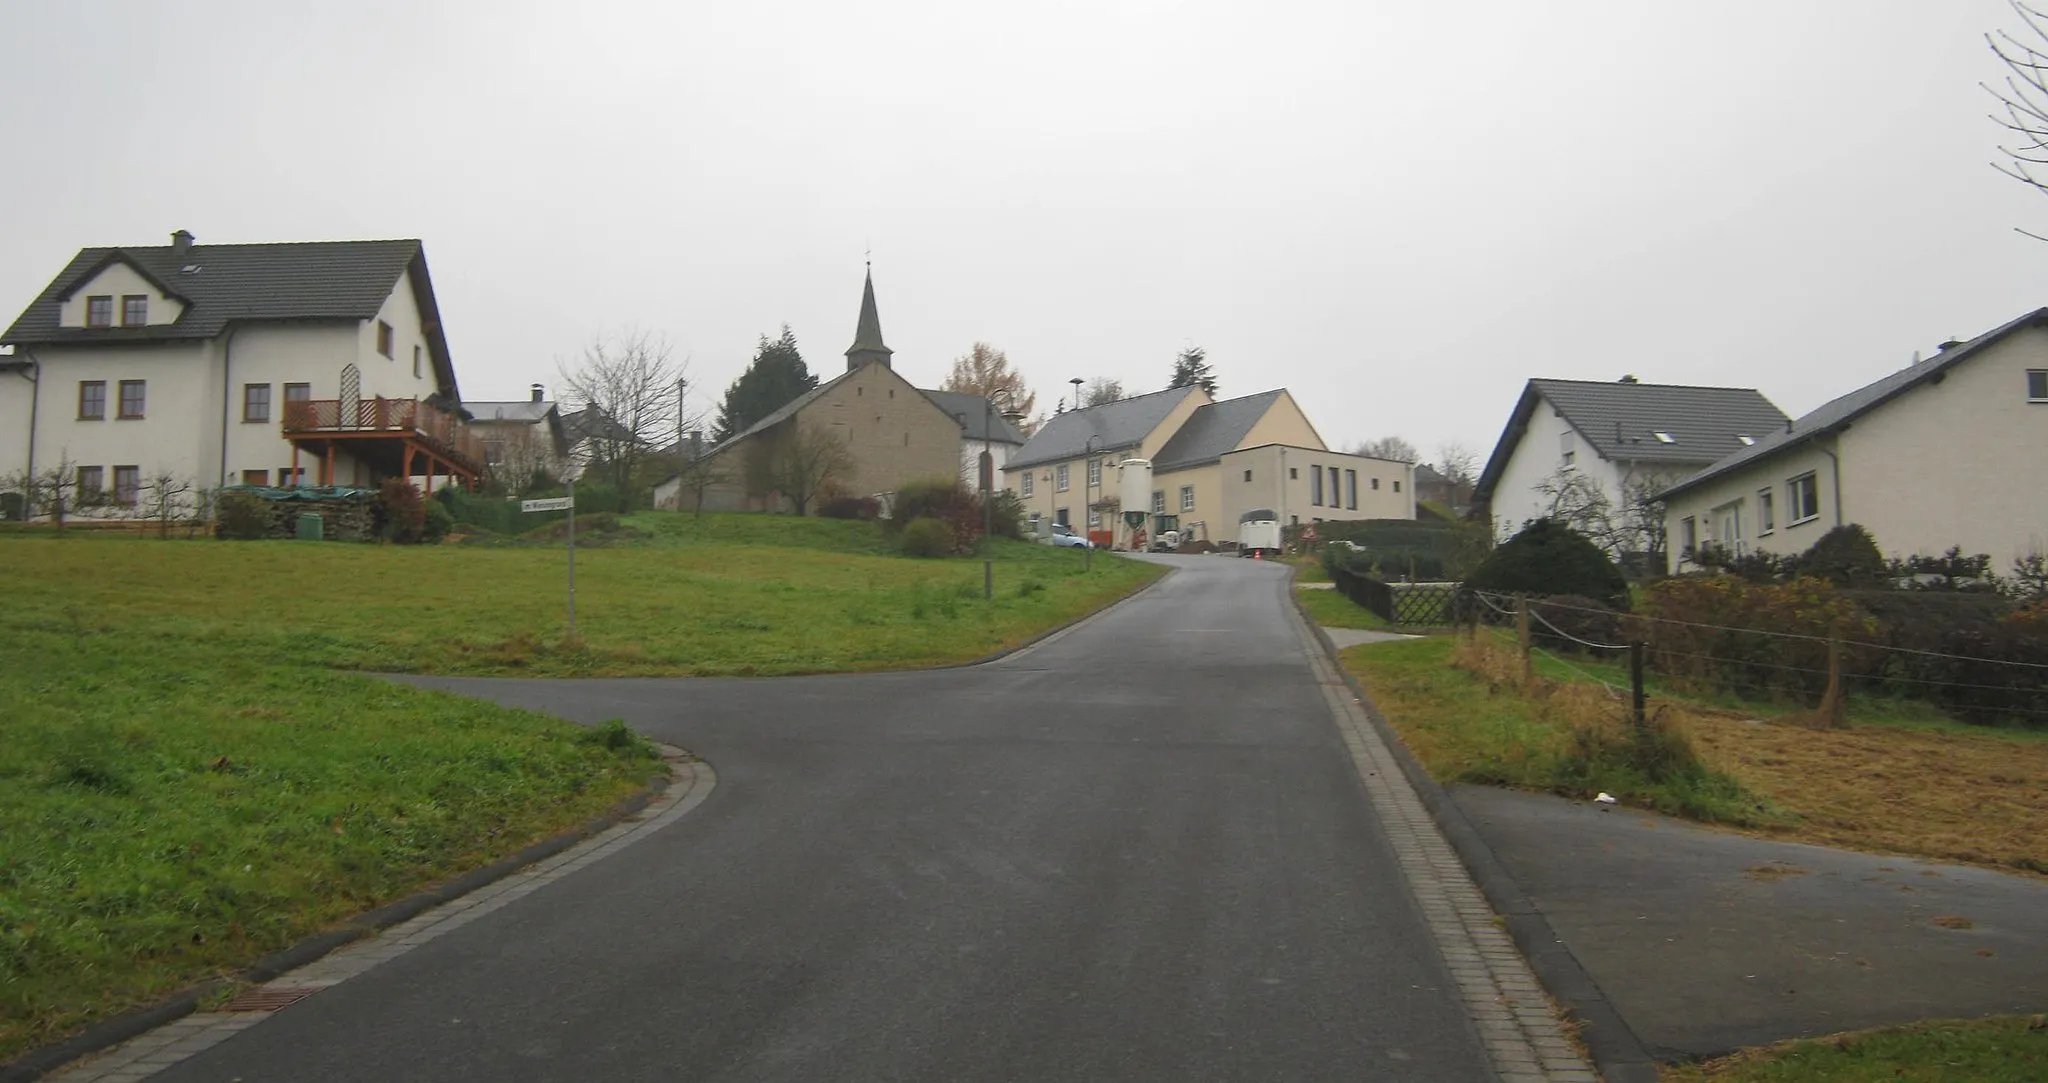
x=985, y=472
x=572, y=558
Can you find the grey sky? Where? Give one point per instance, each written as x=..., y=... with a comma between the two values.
x=1398, y=210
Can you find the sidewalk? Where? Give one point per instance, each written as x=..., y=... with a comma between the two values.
x=1705, y=941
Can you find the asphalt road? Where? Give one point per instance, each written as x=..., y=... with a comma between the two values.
x=1137, y=851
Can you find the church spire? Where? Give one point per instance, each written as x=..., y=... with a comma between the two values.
x=867, y=338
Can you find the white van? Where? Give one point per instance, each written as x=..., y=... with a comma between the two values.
x=1258, y=531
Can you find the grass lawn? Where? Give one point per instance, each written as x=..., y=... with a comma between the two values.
x=1331, y=609
x=1901, y=779
x=189, y=778
x=2012, y=1049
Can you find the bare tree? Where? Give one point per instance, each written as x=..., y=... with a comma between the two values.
x=51, y=492
x=166, y=499
x=696, y=476
x=525, y=459
x=2023, y=98
x=630, y=381
x=1631, y=527
x=1387, y=447
x=799, y=461
x=984, y=370
x=1102, y=389
x=1458, y=465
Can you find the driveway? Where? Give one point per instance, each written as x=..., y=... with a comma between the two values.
x=1137, y=851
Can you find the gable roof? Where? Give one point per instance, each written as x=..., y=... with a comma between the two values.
x=1213, y=430
x=1119, y=424
x=517, y=410
x=592, y=423
x=230, y=283
x=1621, y=420
x=977, y=421
x=786, y=411
x=1835, y=415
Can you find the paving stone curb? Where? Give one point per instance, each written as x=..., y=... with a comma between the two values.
x=174, y=1010
x=1616, y=1051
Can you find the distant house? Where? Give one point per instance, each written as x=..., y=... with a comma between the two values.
x=1626, y=439
x=267, y=364
x=1210, y=461
x=1944, y=452
x=520, y=437
x=981, y=428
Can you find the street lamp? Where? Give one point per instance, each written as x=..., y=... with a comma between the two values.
x=1089, y=468
x=988, y=479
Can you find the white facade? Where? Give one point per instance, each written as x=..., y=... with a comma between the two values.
x=970, y=460
x=1951, y=461
x=1549, y=444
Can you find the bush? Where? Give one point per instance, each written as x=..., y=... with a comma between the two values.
x=927, y=537
x=439, y=522
x=1751, y=639
x=401, y=514
x=1574, y=619
x=1006, y=515
x=242, y=516
x=1550, y=558
x=943, y=499
x=863, y=508
x=1847, y=557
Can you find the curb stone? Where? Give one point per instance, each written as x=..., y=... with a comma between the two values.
x=175, y=1009
x=1616, y=1051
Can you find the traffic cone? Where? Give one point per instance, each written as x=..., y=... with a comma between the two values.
x=1258, y=554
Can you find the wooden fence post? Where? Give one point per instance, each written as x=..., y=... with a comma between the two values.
x=1635, y=674
x=1832, y=712
x=1522, y=636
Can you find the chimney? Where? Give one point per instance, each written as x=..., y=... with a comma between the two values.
x=540, y=393
x=181, y=242
x=1629, y=378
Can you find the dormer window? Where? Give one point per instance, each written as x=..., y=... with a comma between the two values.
x=134, y=310
x=99, y=311
x=1664, y=437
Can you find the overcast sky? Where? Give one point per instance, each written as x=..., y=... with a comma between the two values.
x=1400, y=211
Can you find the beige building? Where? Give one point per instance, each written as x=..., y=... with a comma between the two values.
x=1210, y=462
x=1941, y=453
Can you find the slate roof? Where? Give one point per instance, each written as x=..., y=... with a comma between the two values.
x=1620, y=420
x=1835, y=415
x=227, y=283
x=1120, y=424
x=782, y=413
x=592, y=423
x=867, y=334
x=519, y=410
x=1213, y=430
x=976, y=417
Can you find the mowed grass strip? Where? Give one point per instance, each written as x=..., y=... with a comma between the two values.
x=682, y=602
x=1331, y=609
x=2009, y=1049
x=170, y=809
x=1902, y=779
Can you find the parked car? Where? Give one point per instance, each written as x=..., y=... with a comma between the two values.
x=1063, y=537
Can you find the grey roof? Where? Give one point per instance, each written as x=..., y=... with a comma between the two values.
x=221, y=284
x=1621, y=420
x=782, y=413
x=1833, y=416
x=976, y=417
x=1120, y=424
x=592, y=423
x=867, y=335
x=1213, y=430
x=519, y=410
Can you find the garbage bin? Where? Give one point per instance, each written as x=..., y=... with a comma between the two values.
x=311, y=527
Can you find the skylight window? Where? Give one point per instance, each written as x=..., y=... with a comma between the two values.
x=1664, y=437
x=1746, y=440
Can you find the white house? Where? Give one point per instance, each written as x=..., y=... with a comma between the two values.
x=1627, y=438
x=982, y=427
x=1944, y=452
x=299, y=363
x=520, y=437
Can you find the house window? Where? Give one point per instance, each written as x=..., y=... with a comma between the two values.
x=1293, y=473
x=133, y=396
x=99, y=311
x=1375, y=485
x=1803, y=494
x=1187, y=498
x=134, y=310
x=1059, y=482
x=1094, y=518
x=127, y=483
x=1159, y=502
x=298, y=392
x=1336, y=487
x=1247, y=475
x=1059, y=515
x=1027, y=483
x=2037, y=385
x=91, y=479
x=1570, y=457
x=255, y=402
x=1664, y=437
x=1688, y=537
x=255, y=477
x=92, y=400
x=1766, y=512
x=1351, y=489
x=1397, y=486
x=417, y=370
x=384, y=338
x=288, y=478
x=1315, y=485
x=1095, y=473
x=494, y=452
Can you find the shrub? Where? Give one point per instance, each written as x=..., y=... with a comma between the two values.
x=438, y=523
x=927, y=537
x=863, y=508
x=1846, y=556
x=1949, y=571
x=943, y=499
x=1751, y=639
x=401, y=514
x=1550, y=558
x=1006, y=515
x=242, y=516
x=1573, y=619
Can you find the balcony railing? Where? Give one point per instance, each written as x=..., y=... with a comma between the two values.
x=398, y=417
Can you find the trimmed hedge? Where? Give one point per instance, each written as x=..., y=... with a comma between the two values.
x=1548, y=558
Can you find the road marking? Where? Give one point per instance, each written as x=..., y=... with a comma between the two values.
x=144, y=1056
x=1515, y=1019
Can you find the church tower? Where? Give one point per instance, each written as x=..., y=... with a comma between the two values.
x=867, y=338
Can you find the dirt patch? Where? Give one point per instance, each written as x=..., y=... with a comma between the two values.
x=1773, y=871
x=1952, y=921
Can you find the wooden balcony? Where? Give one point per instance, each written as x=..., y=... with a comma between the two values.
x=394, y=437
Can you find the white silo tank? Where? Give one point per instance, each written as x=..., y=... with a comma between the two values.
x=1134, y=484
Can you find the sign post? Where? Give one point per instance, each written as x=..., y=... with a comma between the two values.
x=568, y=504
